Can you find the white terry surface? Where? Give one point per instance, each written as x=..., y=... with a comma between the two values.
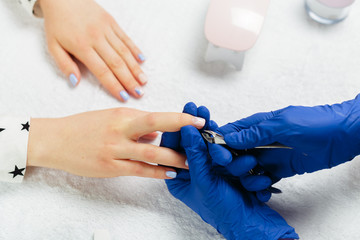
x=296, y=61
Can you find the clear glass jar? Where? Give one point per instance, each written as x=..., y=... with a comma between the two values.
x=328, y=11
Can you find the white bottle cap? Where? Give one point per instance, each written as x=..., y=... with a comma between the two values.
x=330, y=9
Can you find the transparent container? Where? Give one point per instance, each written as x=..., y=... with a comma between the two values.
x=328, y=11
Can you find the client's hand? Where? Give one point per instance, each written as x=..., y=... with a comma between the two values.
x=104, y=143
x=235, y=213
x=84, y=30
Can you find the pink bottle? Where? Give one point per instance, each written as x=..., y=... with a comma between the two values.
x=232, y=27
x=328, y=11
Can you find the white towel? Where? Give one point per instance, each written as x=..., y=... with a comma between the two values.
x=295, y=61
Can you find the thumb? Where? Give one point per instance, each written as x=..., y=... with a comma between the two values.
x=247, y=122
x=258, y=135
x=65, y=63
x=196, y=152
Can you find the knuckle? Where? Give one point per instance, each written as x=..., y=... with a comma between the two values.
x=138, y=170
x=123, y=50
x=104, y=72
x=149, y=154
x=105, y=163
x=116, y=63
x=150, y=120
x=108, y=18
x=81, y=43
x=94, y=32
x=135, y=68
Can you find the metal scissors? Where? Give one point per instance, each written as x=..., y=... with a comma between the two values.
x=216, y=138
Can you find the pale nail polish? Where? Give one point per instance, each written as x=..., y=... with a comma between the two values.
x=73, y=79
x=186, y=163
x=143, y=78
x=199, y=122
x=141, y=57
x=171, y=174
x=124, y=95
x=139, y=91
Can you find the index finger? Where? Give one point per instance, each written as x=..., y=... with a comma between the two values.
x=164, y=122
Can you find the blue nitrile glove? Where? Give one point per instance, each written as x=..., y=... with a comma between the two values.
x=237, y=167
x=235, y=213
x=321, y=137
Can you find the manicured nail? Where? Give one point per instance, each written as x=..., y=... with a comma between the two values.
x=73, y=79
x=143, y=78
x=124, y=95
x=186, y=163
x=199, y=122
x=171, y=174
x=141, y=57
x=139, y=91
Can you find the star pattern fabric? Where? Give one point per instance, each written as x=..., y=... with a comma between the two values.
x=25, y=126
x=17, y=171
x=14, y=133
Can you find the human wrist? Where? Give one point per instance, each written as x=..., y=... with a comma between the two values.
x=41, y=135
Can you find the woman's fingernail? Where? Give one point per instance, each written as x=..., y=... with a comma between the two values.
x=73, y=79
x=141, y=57
x=199, y=122
x=143, y=78
x=186, y=163
x=171, y=174
x=139, y=91
x=124, y=95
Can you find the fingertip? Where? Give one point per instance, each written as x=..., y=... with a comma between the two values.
x=190, y=108
x=74, y=80
x=213, y=125
x=255, y=183
x=143, y=79
x=263, y=196
x=203, y=112
x=124, y=96
x=139, y=92
x=198, y=122
x=241, y=165
x=170, y=174
x=219, y=154
x=141, y=58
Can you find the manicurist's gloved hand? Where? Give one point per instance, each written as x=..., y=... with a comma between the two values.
x=235, y=213
x=321, y=137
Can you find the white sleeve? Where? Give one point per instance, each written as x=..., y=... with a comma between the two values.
x=14, y=133
x=31, y=7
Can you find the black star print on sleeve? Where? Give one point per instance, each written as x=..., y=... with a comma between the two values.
x=2, y=129
x=26, y=126
x=17, y=171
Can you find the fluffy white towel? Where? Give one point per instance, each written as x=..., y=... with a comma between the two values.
x=295, y=61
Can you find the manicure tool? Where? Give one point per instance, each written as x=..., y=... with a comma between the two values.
x=216, y=138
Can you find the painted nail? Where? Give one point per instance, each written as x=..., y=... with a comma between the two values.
x=199, y=122
x=171, y=174
x=139, y=91
x=141, y=57
x=73, y=79
x=186, y=163
x=124, y=95
x=143, y=78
